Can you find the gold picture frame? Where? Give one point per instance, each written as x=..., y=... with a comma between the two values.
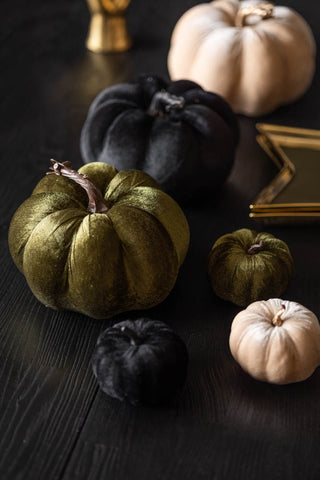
x=293, y=196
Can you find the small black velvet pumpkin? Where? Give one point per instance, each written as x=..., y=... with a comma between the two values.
x=181, y=135
x=142, y=361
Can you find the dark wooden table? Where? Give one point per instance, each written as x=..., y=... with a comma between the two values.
x=54, y=421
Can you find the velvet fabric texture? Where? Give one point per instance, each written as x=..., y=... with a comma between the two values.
x=185, y=139
x=245, y=266
x=99, y=264
x=141, y=361
x=258, y=56
x=276, y=341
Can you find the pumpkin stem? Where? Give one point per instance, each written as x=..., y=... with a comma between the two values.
x=97, y=204
x=277, y=322
x=264, y=11
x=164, y=102
x=256, y=248
x=134, y=339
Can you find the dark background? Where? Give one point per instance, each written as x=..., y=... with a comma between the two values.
x=54, y=421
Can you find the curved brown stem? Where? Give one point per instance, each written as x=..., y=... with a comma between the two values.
x=256, y=248
x=277, y=321
x=96, y=204
x=264, y=11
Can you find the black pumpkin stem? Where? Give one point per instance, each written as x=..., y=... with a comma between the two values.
x=97, y=204
x=256, y=248
x=164, y=102
x=134, y=339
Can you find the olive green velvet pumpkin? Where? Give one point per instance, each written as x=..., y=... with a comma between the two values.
x=245, y=266
x=119, y=251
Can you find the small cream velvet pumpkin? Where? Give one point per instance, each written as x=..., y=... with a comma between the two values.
x=276, y=341
x=256, y=55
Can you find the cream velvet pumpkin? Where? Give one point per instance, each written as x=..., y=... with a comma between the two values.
x=276, y=341
x=256, y=55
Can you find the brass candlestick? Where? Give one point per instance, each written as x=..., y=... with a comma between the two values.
x=108, y=28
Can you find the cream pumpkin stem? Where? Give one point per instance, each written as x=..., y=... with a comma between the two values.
x=277, y=321
x=264, y=11
x=96, y=204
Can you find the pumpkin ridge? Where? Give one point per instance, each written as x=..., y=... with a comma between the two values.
x=64, y=284
x=268, y=346
x=236, y=42
x=77, y=203
x=110, y=193
x=129, y=297
x=216, y=104
x=182, y=254
x=41, y=195
x=49, y=296
x=279, y=50
x=285, y=337
x=124, y=195
x=90, y=310
x=91, y=144
x=115, y=101
x=55, y=189
x=293, y=27
x=283, y=255
x=38, y=225
x=289, y=267
x=131, y=94
x=231, y=15
x=145, y=212
x=314, y=339
x=118, y=119
x=234, y=92
x=168, y=173
x=134, y=301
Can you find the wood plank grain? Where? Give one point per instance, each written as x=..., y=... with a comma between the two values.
x=46, y=385
x=163, y=444
x=54, y=422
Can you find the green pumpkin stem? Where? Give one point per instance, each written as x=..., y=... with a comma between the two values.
x=134, y=339
x=96, y=204
x=163, y=102
x=277, y=321
x=256, y=248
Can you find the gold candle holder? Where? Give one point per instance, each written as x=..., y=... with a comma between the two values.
x=108, y=28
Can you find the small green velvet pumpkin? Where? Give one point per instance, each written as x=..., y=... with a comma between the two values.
x=246, y=266
x=120, y=251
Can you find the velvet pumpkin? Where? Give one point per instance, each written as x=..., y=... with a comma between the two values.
x=276, y=341
x=98, y=241
x=179, y=134
x=245, y=266
x=141, y=361
x=256, y=55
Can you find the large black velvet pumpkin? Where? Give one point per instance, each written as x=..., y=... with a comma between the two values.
x=181, y=135
x=142, y=361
